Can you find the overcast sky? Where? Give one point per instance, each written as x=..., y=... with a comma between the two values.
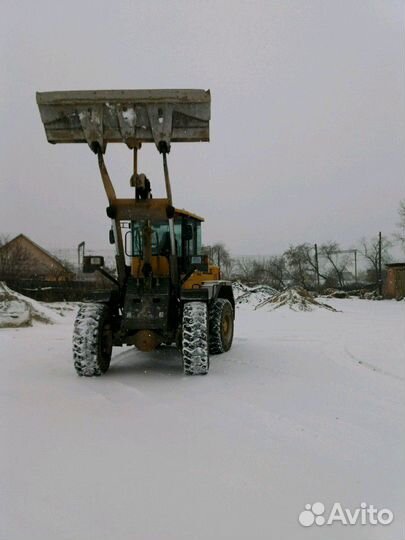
x=307, y=128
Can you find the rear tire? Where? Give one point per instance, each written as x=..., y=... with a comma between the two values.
x=92, y=340
x=221, y=326
x=195, y=339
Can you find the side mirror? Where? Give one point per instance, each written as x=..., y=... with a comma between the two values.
x=111, y=236
x=91, y=263
x=187, y=232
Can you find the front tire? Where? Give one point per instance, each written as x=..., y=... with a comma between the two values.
x=195, y=347
x=221, y=326
x=92, y=340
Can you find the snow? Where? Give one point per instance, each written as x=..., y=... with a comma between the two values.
x=252, y=296
x=295, y=298
x=89, y=116
x=19, y=310
x=14, y=313
x=307, y=406
x=129, y=115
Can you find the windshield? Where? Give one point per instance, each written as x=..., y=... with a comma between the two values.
x=160, y=238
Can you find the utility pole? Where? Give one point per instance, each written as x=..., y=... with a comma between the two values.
x=355, y=265
x=317, y=266
x=80, y=255
x=379, y=264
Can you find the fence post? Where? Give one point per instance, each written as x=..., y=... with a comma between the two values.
x=317, y=266
x=379, y=264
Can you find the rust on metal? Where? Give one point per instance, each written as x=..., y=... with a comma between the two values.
x=108, y=186
x=146, y=340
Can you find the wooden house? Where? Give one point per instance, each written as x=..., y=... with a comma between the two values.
x=21, y=258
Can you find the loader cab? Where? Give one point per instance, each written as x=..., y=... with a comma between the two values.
x=188, y=238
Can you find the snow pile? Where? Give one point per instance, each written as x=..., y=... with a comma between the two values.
x=62, y=308
x=18, y=310
x=296, y=298
x=252, y=296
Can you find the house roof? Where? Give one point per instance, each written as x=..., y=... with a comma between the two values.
x=54, y=259
x=396, y=265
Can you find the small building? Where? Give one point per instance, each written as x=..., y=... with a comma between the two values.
x=348, y=277
x=21, y=258
x=394, y=286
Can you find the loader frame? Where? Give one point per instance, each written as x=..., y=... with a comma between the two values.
x=159, y=298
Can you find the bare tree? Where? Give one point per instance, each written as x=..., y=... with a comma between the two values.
x=275, y=272
x=300, y=266
x=258, y=274
x=270, y=271
x=400, y=235
x=219, y=254
x=370, y=251
x=337, y=263
x=245, y=268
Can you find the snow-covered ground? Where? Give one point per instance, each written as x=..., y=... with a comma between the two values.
x=307, y=406
x=18, y=310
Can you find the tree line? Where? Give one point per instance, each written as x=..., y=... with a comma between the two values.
x=307, y=265
x=312, y=266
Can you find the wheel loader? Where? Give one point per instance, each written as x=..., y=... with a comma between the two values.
x=166, y=290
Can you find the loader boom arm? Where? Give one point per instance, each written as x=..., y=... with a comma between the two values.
x=133, y=117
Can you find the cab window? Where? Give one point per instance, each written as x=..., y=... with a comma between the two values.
x=160, y=238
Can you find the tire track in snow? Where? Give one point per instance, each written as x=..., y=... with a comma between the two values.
x=372, y=367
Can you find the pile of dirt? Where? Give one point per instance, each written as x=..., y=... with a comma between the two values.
x=295, y=298
x=17, y=310
x=252, y=296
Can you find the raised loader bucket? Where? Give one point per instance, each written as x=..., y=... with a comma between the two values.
x=129, y=116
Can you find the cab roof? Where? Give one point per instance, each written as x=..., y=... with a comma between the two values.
x=182, y=212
